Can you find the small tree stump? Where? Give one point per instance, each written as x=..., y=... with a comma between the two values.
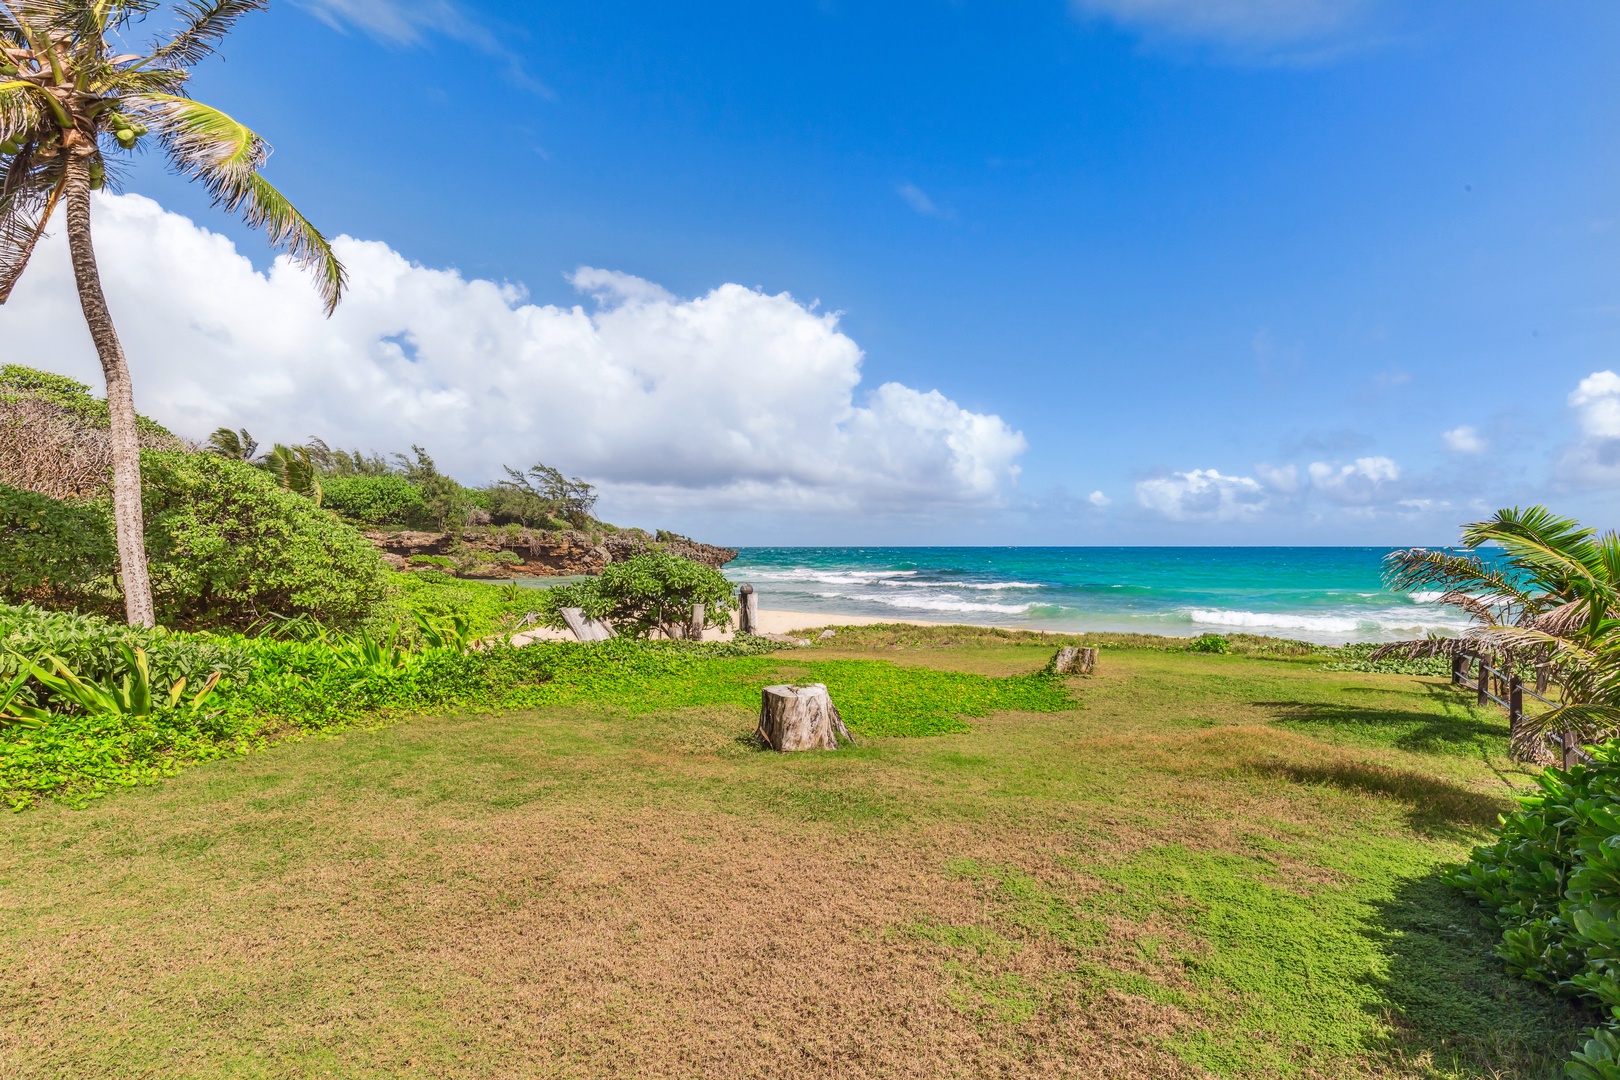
x=800, y=718
x=1073, y=660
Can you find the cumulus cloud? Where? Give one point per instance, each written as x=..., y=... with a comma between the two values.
x=1593, y=459
x=1360, y=483
x=737, y=398
x=1464, y=440
x=1098, y=499
x=1301, y=30
x=1284, y=479
x=1202, y=495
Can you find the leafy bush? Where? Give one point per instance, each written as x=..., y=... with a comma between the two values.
x=372, y=501
x=441, y=562
x=229, y=547
x=1209, y=643
x=644, y=593
x=1551, y=883
x=54, y=552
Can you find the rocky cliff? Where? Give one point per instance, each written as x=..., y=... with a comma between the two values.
x=498, y=552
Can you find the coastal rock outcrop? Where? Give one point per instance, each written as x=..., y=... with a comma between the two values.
x=536, y=553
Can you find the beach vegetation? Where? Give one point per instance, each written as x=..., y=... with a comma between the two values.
x=72, y=103
x=1209, y=643
x=647, y=593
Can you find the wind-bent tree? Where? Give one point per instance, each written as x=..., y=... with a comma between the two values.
x=1550, y=598
x=71, y=103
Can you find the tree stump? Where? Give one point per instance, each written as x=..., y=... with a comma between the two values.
x=1073, y=660
x=800, y=718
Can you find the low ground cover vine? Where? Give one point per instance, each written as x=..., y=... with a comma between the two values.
x=274, y=689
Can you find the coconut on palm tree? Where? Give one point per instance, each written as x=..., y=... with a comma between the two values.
x=72, y=103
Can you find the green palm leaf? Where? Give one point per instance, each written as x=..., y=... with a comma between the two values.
x=226, y=155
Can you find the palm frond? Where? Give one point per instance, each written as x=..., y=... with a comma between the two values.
x=206, y=23
x=226, y=156
x=21, y=110
x=1464, y=575
x=128, y=81
x=24, y=213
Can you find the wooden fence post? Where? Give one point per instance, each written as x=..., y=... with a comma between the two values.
x=747, y=610
x=1484, y=681
x=1459, y=664
x=1515, y=709
x=1569, y=749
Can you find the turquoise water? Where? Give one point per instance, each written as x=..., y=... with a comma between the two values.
x=1329, y=595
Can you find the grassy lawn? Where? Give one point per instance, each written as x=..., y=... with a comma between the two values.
x=1210, y=865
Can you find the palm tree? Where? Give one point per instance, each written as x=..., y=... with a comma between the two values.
x=70, y=104
x=1552, y=599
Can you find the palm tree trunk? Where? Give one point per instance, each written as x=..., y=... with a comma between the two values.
x=126, y=447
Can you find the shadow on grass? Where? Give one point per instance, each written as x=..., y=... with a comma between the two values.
x=1436, y=805
x=1450, y=1004
x=1447, y=726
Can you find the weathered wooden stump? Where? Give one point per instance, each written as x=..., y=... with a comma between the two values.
x=747, y=610
x=1073, y=660
x=800, y=718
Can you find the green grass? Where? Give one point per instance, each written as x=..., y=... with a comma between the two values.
x=1224, y=863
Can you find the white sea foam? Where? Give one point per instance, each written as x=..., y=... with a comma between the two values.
x=947, y=603
x=993, y=586
x=1385, y=621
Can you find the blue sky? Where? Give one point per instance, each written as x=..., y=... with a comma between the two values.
x=1237, y=266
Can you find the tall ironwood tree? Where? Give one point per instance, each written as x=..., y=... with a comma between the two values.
x=72, y=102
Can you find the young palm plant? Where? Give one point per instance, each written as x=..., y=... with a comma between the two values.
x=71, y=103
x=1552, y=598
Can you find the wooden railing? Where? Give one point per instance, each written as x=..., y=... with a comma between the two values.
x=1485, y=677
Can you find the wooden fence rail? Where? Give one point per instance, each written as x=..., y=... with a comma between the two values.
x=1483, y=679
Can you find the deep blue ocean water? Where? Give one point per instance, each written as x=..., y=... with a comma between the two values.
x=1329, y=595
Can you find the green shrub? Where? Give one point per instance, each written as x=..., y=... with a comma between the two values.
x=1209, y=643
x=74, y=397
x=507, y=558
x=228, y=547
x=440, y=561
x=57, y=553
x=373, y=501
x=644, y=593
x=1551, y=883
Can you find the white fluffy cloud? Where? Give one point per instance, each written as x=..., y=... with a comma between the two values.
x=1593, y=459
x=1099, y=500
x=736, y=398
x=1464, y=440
x=1358, y=484
x=1236, y=22
x=1202, y=495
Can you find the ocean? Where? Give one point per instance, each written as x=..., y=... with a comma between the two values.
x=1327, y=595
